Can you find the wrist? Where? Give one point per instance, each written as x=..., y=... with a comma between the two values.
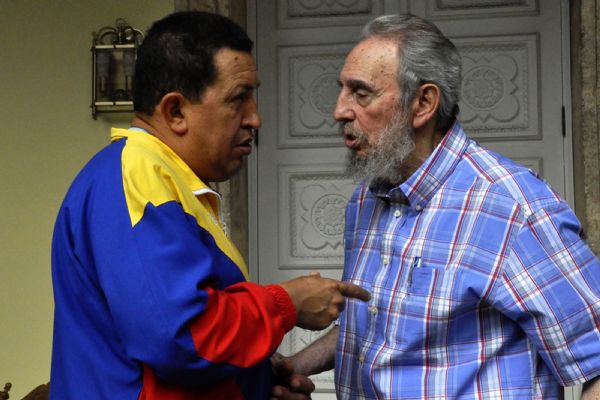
x=284, y=305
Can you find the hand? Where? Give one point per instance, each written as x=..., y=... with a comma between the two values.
x=288, y=384
x=319, y=301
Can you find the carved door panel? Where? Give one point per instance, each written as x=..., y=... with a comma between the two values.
x=512, y=96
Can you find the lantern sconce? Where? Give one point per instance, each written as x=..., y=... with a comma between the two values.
x=114, y=52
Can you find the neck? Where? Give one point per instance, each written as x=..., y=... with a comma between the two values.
x=426, y=140
x=145, y=123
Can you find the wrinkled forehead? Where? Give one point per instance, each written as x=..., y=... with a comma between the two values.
x=234, y=64
x=371, y=59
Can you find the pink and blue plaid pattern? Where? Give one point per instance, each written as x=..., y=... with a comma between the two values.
x=482, y=287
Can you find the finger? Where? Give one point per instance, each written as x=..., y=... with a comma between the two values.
x=338, y=301
x=314, y=273
x=283, y=393
x=277, y=392
x=334, y=313
x=354, y=291
x=302, y=384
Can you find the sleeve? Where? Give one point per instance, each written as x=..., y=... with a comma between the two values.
x=180, y=305
x=550, y=286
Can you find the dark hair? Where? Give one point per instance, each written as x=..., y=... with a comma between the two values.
x=177, y=55
x=425, y=55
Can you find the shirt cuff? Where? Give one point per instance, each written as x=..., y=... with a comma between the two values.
x=284, y=304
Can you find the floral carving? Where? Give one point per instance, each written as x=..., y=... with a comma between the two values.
x=327, y=215
x=318, y=92
x=483, y=88
x=322, y=94
x=322, y=219
x=489, y=89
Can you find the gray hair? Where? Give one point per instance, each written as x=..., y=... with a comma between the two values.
x=425, y=56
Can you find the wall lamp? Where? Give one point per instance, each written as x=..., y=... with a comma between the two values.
x=114, y=51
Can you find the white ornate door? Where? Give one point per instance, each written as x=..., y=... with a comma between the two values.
x=512, y=99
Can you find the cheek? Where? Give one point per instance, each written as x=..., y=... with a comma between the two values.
x=231, y=124
x=228, y=139
x=373, y=137
x=371, y=125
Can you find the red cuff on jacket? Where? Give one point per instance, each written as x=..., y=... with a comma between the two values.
x=285, y=306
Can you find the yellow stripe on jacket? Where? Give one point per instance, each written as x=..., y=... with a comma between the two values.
x=153, y=173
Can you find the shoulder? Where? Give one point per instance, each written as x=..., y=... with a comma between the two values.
x=100, y=174
x=509, y=180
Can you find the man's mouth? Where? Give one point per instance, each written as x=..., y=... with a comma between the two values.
x=245, y=147
x=246, y=143
x=351, y=141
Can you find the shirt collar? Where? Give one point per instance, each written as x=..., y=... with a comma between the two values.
x=422, y=185
x=388, y=193
x=139, y=135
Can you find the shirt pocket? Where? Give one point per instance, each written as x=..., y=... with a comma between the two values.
x=434, y=283
x=424, y=279
x=438, y=291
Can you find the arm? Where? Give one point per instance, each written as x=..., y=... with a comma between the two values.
x=318, y=356
x=175, y=284
x=315, y=301
x=591, y=389
x=549, y=285
x=292, y=371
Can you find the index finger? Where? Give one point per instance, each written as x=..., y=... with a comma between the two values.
x=354, y=291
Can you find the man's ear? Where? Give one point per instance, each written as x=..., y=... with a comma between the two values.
x=171, y=107
x=425, y=105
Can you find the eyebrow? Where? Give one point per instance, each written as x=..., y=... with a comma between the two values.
x=250, y=88
x=356, y=84
x=243, y=90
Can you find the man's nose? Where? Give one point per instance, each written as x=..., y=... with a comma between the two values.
x=343, y=110
x=252, y=117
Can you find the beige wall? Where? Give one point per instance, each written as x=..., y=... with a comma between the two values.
x=46, y=135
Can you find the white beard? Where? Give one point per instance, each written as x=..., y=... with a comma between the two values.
x=382, y=160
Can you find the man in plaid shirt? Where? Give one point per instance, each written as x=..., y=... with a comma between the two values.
x=482, y=286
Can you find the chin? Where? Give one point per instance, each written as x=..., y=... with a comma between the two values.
x=230, y=173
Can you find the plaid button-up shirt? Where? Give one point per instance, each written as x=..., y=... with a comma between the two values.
x=482, y=287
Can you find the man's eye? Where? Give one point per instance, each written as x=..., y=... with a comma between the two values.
x=238, y=98
x=362, y=98
x=241, y=97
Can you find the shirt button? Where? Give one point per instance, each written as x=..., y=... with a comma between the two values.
x=386, y=260
x=361, y=358
x=373, y=310
x=418, y=207
x=397, y=213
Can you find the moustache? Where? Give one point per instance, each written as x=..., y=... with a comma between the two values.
x=351, y=132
